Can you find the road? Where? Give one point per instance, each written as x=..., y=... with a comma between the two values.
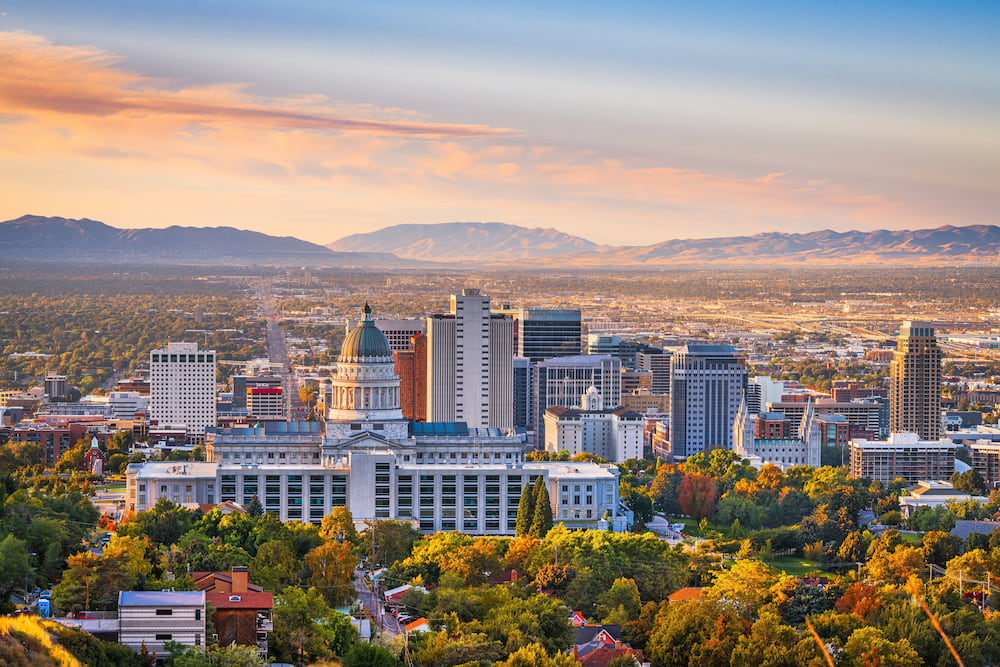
x=277, y=352
x=384, y=623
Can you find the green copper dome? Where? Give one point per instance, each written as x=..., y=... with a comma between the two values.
x=366, y=342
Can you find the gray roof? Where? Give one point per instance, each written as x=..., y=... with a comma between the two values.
x=161, y=598
x=964, y=527
x=725, y=350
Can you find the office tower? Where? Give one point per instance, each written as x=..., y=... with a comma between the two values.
x=56, y=386
x=904, y=455
x=398, y=332
x=762, y=390
x=523, y=391
x=603, y=344
x=915, y=382
x=657, y=363
x=182, y=387
x=562, y=381
x=242, y=384
x=501, y=371
x=614, y=435
x=470, y=364
x=707, y=383
x=411, y=367
x=546, y=333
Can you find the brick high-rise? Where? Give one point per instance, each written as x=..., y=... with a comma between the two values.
x=915, y=382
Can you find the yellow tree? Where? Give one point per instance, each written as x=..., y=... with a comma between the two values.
x=332, y=567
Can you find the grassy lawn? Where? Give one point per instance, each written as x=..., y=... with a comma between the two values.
x=912, y=539
x=799, y=567
x=111, y=488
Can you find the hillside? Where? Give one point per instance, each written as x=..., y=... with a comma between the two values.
x=493, y=242
x=61, y=239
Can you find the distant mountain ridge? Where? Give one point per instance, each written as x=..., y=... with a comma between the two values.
x=465, y=242
x=486, y=243
x=54, y=238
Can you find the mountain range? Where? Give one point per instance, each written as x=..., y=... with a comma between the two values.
x=465, y=242
x=61, y=239
x=486, y=244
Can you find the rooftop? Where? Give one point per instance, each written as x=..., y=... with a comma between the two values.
x=161, y=598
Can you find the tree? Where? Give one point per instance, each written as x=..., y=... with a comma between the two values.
x=534, y=655
x=332, y=567
x=666, y=487
x=525, y=511
x=305, y=628
x=860, y=599
x=255, y=508
x=970, y=481
x=621, y=600
x=940, y=547
x=541, y=522
x=769, y=644
x=696, y=496
x=388, y=541
x=369, y=655
x=536, y=619
x=746, y=586
x=444, y=649
x=212, y=656
x=701, y=632
x=92, y=582
x=868, y=646
x=274, y=567
x=15, y=571
x=339, y=525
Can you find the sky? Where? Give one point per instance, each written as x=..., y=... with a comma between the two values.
x=626, y=123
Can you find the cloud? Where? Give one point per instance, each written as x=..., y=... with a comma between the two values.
x=39, y=77
x=80, y=131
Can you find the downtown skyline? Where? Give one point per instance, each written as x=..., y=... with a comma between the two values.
x=633, y=124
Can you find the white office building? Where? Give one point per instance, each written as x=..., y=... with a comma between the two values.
x=182, y=387
x=563, y=381
x=440, y=475
x=470, y=365
x=613, y=434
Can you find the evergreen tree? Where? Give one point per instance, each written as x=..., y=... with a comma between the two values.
x=541, y=522
x=525, y=511
x=254, y=508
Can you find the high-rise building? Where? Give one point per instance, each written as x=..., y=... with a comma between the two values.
x=470, y=368
x=657, y=363
x=915, y=382
x=613, y=434
x=546, y=333
x=182, y=387
x=904, y=455
x=523, y=391
x=707, y=383
x=762, y=390
x=398, y=332
x=411, y=367
x=562, y=381
x=56, y=386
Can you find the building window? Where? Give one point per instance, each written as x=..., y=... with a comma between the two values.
x=164, y=612
x=164, y=637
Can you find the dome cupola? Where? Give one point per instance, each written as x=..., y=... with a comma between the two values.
x=365, y=343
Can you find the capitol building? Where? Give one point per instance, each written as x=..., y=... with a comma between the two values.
x=442, y=476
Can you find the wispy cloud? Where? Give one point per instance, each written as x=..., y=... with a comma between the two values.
x=37, y=76
x=80, y=132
